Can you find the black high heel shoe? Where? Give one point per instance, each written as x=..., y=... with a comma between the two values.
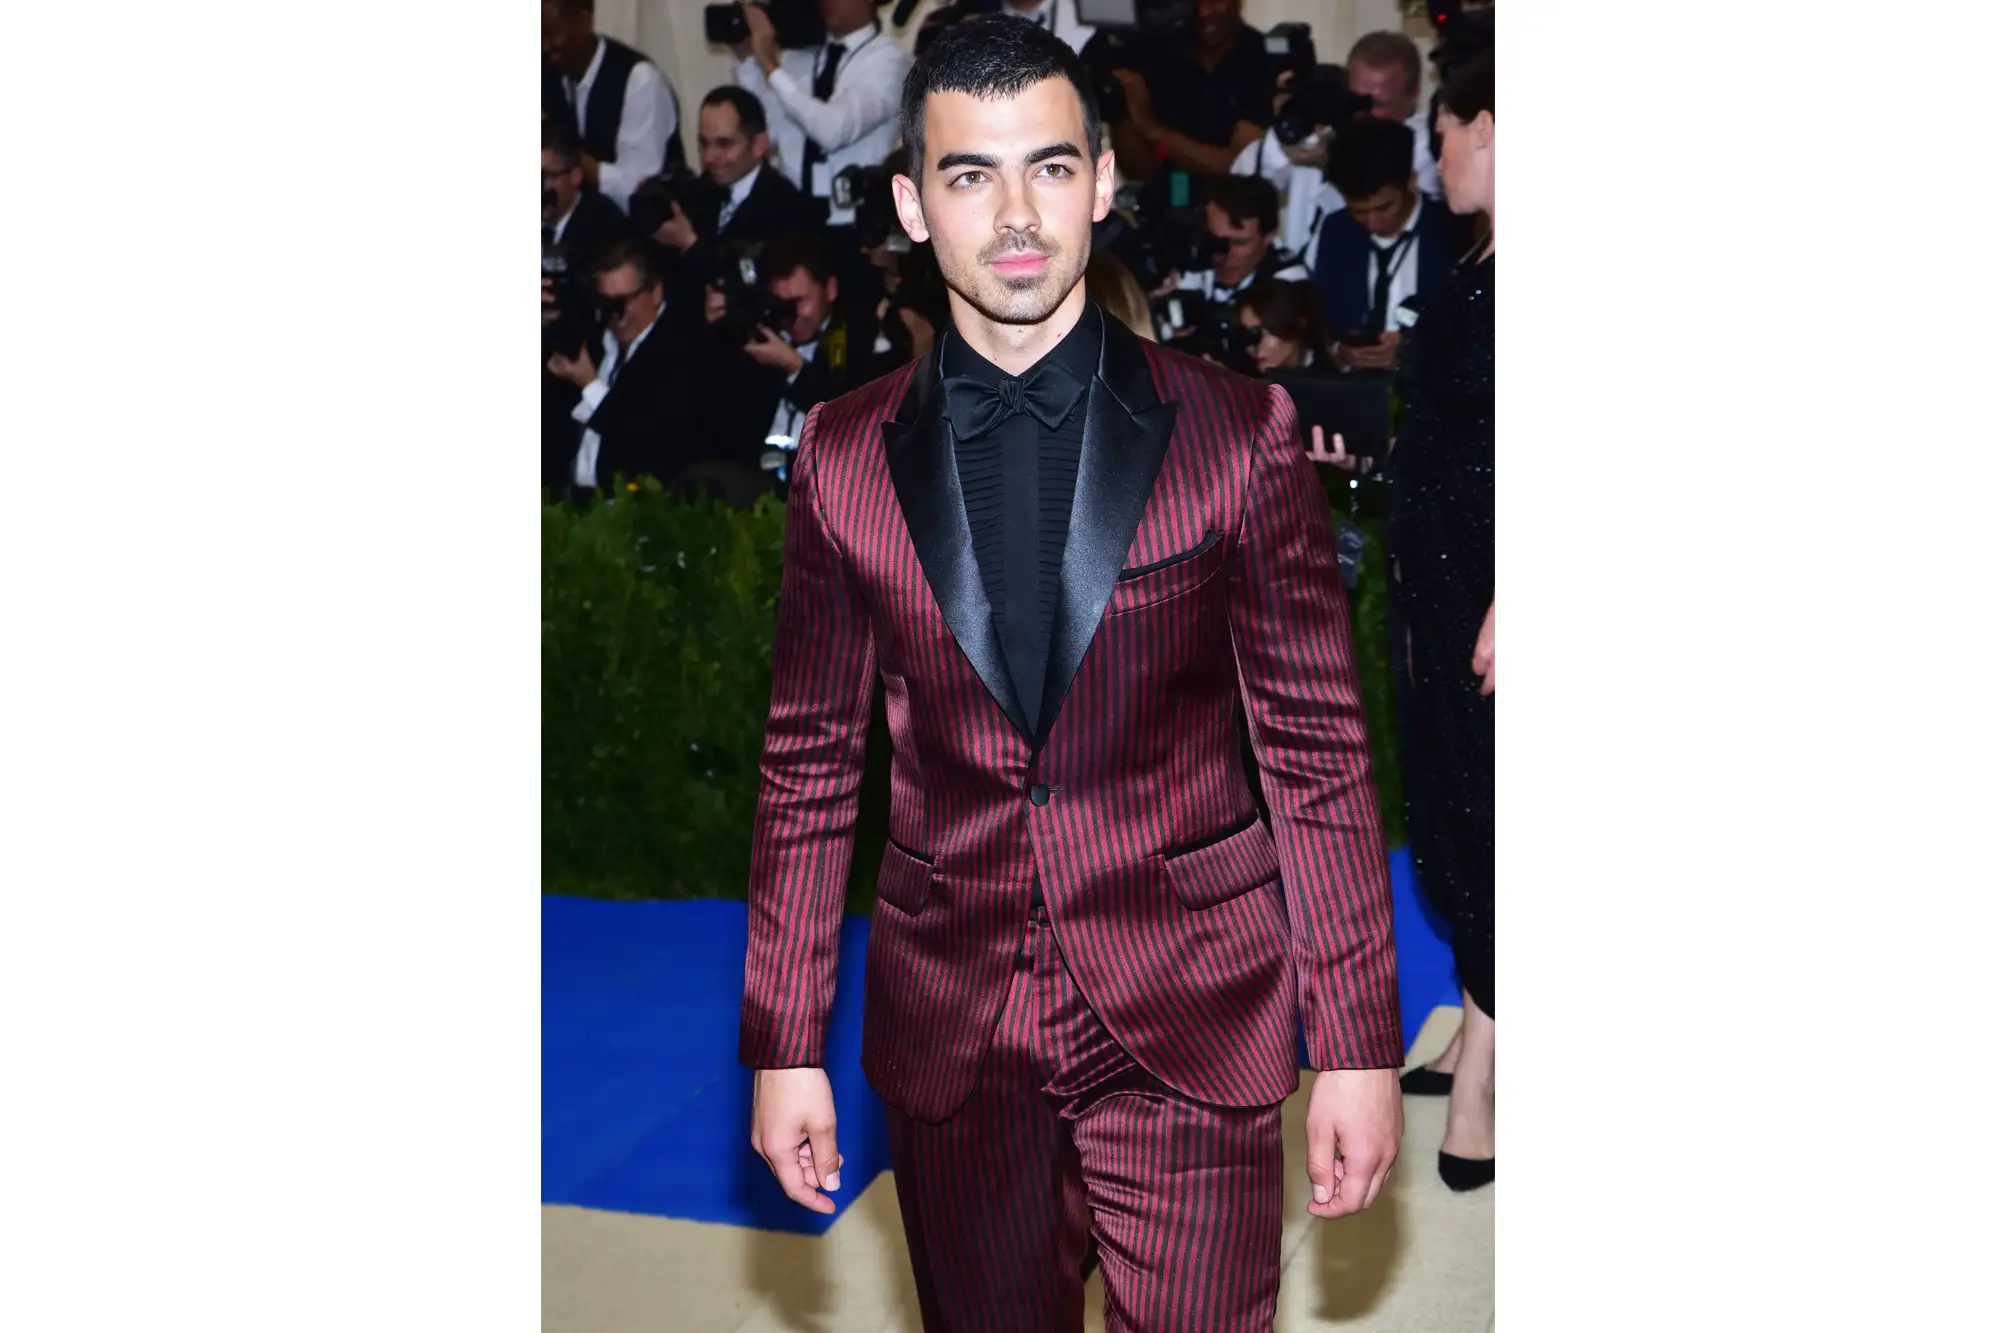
x=1463, y=1174
x=1422, y=1082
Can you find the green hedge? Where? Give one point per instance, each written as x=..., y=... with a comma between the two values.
x=656, y=671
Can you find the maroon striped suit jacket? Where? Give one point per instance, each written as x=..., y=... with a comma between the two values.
x=1201, y=564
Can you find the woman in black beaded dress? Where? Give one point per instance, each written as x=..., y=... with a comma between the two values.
x=1439, y=480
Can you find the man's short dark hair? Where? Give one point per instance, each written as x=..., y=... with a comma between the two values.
x=994, y=56
x=636, y=255
x=788, y=254
x=575, y=7
x=561, y=140
x=1245, y=199
x=1370, y=155
x=1382, y=49
x=749, y=109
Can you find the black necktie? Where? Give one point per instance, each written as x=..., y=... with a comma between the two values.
x=976, y=407
x=822, y=92
x=1387, y=260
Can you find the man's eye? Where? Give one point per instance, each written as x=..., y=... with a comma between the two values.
x=970, y=178
x=1058, y=169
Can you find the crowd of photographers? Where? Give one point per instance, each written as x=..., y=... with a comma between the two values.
x=1275, y=214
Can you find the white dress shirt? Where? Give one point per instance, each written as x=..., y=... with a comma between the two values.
x=562, y=223
x=857, y=125
x=644, y=126
x=1059, y=17
x=785, y=422
x=594, y=394
x=737, y=194
x=1403, y=279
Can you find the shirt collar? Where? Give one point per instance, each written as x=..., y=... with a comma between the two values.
x=741, y=190
x=596, y=60
x=1077, y=352
x=563, y=221
x=1409, y=225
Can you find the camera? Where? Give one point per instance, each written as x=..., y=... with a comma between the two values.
x=795, y=22
x=1203, y=326
x=1319, y=97
x=576, y=317
x=1154, y=18
x=866, y=190
x=747, y=303
x=1289, y=48
x=1177, y=241
x=655, y=198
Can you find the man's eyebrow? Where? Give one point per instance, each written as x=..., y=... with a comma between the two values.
x=989, y=162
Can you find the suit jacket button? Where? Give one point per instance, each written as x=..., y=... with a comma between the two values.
x=1038, y=794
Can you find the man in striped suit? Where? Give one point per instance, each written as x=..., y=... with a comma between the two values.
x=1065, y=553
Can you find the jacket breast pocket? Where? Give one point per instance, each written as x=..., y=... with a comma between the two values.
x=1158, y=580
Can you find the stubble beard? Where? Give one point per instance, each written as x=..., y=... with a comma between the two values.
x=1025, y=300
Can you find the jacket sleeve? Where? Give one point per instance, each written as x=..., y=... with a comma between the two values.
x=1295, y=663
x=815, y=742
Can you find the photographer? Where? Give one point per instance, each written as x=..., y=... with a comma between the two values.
x=1383, y=77
x=830, y=106
x=746, y=200
x=619, y=103
x=1196, y=106
x=578, y=225
x=1241, y=220
x=1391, y=243
x=764, y=387
x=633, y=396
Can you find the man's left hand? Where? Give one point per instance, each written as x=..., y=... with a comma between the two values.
x=763, y=37
x=768, y=349
x=1354, y=1126
x=581, y=372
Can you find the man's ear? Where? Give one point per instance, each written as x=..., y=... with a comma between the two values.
x=1106, y=185
x=909, y=208
x=1482, y=131
x=832, y=288
x=761, y=145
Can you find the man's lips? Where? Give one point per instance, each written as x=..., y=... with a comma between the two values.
x=1026, y=262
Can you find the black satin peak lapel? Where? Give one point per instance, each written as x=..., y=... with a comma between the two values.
x=1125, y=435
x=925, y=474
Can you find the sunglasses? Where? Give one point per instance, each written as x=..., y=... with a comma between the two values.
x=613, y=307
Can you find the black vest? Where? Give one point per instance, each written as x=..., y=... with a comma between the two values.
x=605, y=109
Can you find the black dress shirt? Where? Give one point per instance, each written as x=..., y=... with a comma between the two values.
x=1019, y=481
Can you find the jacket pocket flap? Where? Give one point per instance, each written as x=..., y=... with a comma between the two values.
x=1226, y=869
x=904, y=881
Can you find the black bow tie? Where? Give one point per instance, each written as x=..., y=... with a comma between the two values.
x=1048, y=393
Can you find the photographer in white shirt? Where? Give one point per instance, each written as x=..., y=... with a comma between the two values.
x=830, y=106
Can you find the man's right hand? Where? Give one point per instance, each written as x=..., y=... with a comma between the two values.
x=791, y=1128
x=676, y=231
x=714, y=305
x=549, y=312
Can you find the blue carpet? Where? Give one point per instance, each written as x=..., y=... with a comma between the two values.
x=644, y=1107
